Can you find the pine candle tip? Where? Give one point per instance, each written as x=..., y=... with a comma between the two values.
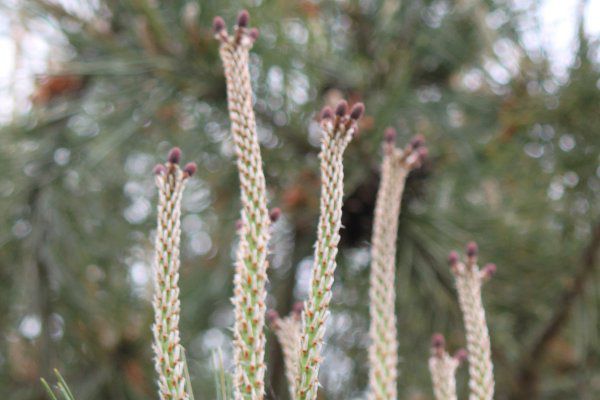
x=218, y=25
x=254, y=33
x=159, y=169
x=461, y=355
x=389, y=135
x=417, y=141
x=272, y=317
x=438, y=342
x=298, y=307
x=341, y=108
x=174, y=155
x=190, y=168
x=489, y=270
x=326, y=113
x=275, y=214
x=243, y=19
x=452, y=258
x=472, y=249
x=357, y=111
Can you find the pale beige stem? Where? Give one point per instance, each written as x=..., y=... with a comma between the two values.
x=251, y=259
x=469, y=279
x=383, y=348
x=168, y=352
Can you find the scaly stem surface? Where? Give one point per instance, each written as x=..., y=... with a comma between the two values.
x=168, y=352
x=251, y=259
x=383, y=348
x=337, y=133
x=469, y=279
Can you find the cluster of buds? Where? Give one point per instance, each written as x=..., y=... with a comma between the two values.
x=383, y=348
x=287, y=330
x=168, y=352
x=443, y=367
x=242, y=34
x=469, y=280
x=341, y=121
x=338, y=128
x=414, y=153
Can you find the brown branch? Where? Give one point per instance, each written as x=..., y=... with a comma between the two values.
x=527, y=378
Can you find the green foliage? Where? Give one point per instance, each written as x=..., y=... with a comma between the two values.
x=61, y=390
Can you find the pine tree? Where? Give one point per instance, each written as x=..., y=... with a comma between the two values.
x=513, y=163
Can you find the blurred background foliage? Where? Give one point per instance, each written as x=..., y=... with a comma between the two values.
x=514, y=165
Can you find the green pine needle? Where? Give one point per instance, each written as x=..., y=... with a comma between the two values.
x=61, y=389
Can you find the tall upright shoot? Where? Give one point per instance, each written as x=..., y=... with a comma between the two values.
x=337, y=131
x=168, y=352
x=469, y=279
x=383, y=349
x=251, y=259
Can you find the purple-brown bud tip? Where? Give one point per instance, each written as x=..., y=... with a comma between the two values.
x=272, y=317
x=461, y=355
x=243, y=19
x=489, y=270
x=341, y=108
x=275, y=214
x=326, y=113
x=389, y=135
x=298, y=307
x=159, y=169
x=190, y=168
x=423, y=152
x=238, y=224
x=357, y=111
x=417, y=141
x=472, y=249
x=254, y=33
x=437, y=341
x=218, y=25
x=452, y=258
x=174, y=155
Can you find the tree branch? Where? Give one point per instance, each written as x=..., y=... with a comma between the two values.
x=527, y=377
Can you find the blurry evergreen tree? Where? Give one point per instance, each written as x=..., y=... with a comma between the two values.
x=514, y=165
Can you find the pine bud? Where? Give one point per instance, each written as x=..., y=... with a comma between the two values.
x=326, y=113
x=218, y=25
x=275, y=214
x=254, y=33
x=174, y=155
x=159, y=169
x=272, y=317
x=461, y=355
x=389, y=135
x=190, y=168
x=472, y=249
x=489, y=270
x=438, y=342
x=357, y=111
x=453, y=258
x=298, y=307
x=243, y=19
x=341, y=108
x=417, y=141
